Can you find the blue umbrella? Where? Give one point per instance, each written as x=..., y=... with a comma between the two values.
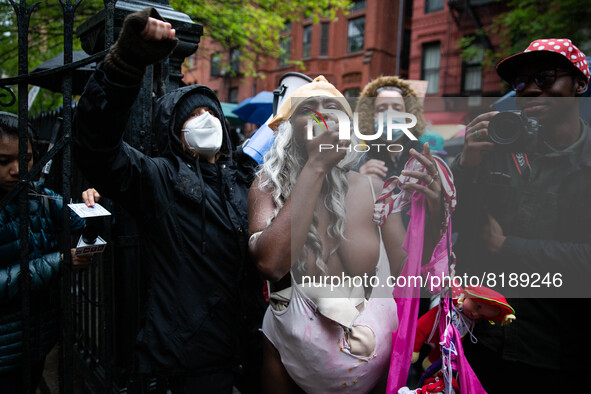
x=256, y=109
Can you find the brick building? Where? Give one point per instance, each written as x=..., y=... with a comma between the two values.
x=437, y=26
x=349, y=52
x=416, y=39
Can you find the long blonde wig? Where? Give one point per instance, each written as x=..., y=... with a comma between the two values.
x=279, y=173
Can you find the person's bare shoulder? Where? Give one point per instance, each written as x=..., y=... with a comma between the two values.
x=358, y=181
x=360, y=192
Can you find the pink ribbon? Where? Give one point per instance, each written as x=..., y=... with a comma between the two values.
x=407, y=297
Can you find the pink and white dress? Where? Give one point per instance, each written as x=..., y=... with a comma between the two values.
x=312, y=335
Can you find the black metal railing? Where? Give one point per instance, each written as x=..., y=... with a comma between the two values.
x=100, y=305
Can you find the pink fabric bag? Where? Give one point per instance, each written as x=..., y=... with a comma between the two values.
x=407, y=297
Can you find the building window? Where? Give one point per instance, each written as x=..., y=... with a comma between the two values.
x=472, y=71
x=433, y=5
x=235, y=61
x=352, y=93
x=356, y=34
x=233, y=95
x=324, y=34
x=430, y=71
x=357, y=5
x=284, y=58
x=190, y=61
x=408, y=8
x=216, y=67
x=307, y=41
x=405, y=53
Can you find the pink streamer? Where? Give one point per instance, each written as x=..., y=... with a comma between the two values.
x=407, y=298
x=467, y=379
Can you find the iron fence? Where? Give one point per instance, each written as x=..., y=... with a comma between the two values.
x=100, y=305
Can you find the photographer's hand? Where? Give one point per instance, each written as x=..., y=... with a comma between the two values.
x=476, y=140
x=493, y=235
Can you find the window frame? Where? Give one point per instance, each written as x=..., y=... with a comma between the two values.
x=350, y=43
x=215, y=65
x=433, y=6
x=324, y=38
x=235, y=62
x=352, y=92
x=285, y=58
x=473, y=65
x=231, y=90
x=358, y=5
x=307, y=44
x=426, y=73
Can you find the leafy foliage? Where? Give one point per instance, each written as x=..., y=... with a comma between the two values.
x=46, y=40
x=528, y=20
x=253, y=27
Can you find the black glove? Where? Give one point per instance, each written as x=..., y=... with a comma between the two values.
x=131, y=54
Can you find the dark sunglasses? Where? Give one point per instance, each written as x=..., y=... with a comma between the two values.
x=543, y=79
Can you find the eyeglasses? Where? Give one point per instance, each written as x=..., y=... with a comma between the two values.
x=543, y=79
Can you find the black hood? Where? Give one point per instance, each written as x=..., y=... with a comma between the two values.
x=164, y=119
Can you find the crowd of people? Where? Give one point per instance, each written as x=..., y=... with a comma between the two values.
x=231, y=248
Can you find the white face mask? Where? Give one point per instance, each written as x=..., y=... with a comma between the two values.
x=204, y=134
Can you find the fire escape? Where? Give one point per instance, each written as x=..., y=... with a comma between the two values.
x=462, y=8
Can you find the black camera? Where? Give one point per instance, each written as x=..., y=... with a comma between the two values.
x=513, y=131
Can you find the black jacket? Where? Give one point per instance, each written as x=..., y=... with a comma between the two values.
x=193, y=229
x=45, y=263
x=546, y=257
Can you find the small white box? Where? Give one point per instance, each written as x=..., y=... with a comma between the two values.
x=87, y=212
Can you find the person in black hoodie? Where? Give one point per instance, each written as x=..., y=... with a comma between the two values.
x=190, y=206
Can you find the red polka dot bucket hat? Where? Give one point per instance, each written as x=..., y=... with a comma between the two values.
x=560, y=48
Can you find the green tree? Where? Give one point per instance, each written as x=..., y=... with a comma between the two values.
x=253, y=27
x=528, y=20
x=46, y=40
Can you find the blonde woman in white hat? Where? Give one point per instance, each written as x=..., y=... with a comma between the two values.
x=310, y=221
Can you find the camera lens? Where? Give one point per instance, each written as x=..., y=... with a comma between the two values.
x=505, y=128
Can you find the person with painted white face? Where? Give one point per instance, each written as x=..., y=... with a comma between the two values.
x=311, y=220
x=190, y=207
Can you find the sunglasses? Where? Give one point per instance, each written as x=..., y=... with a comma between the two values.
x=543, y=79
